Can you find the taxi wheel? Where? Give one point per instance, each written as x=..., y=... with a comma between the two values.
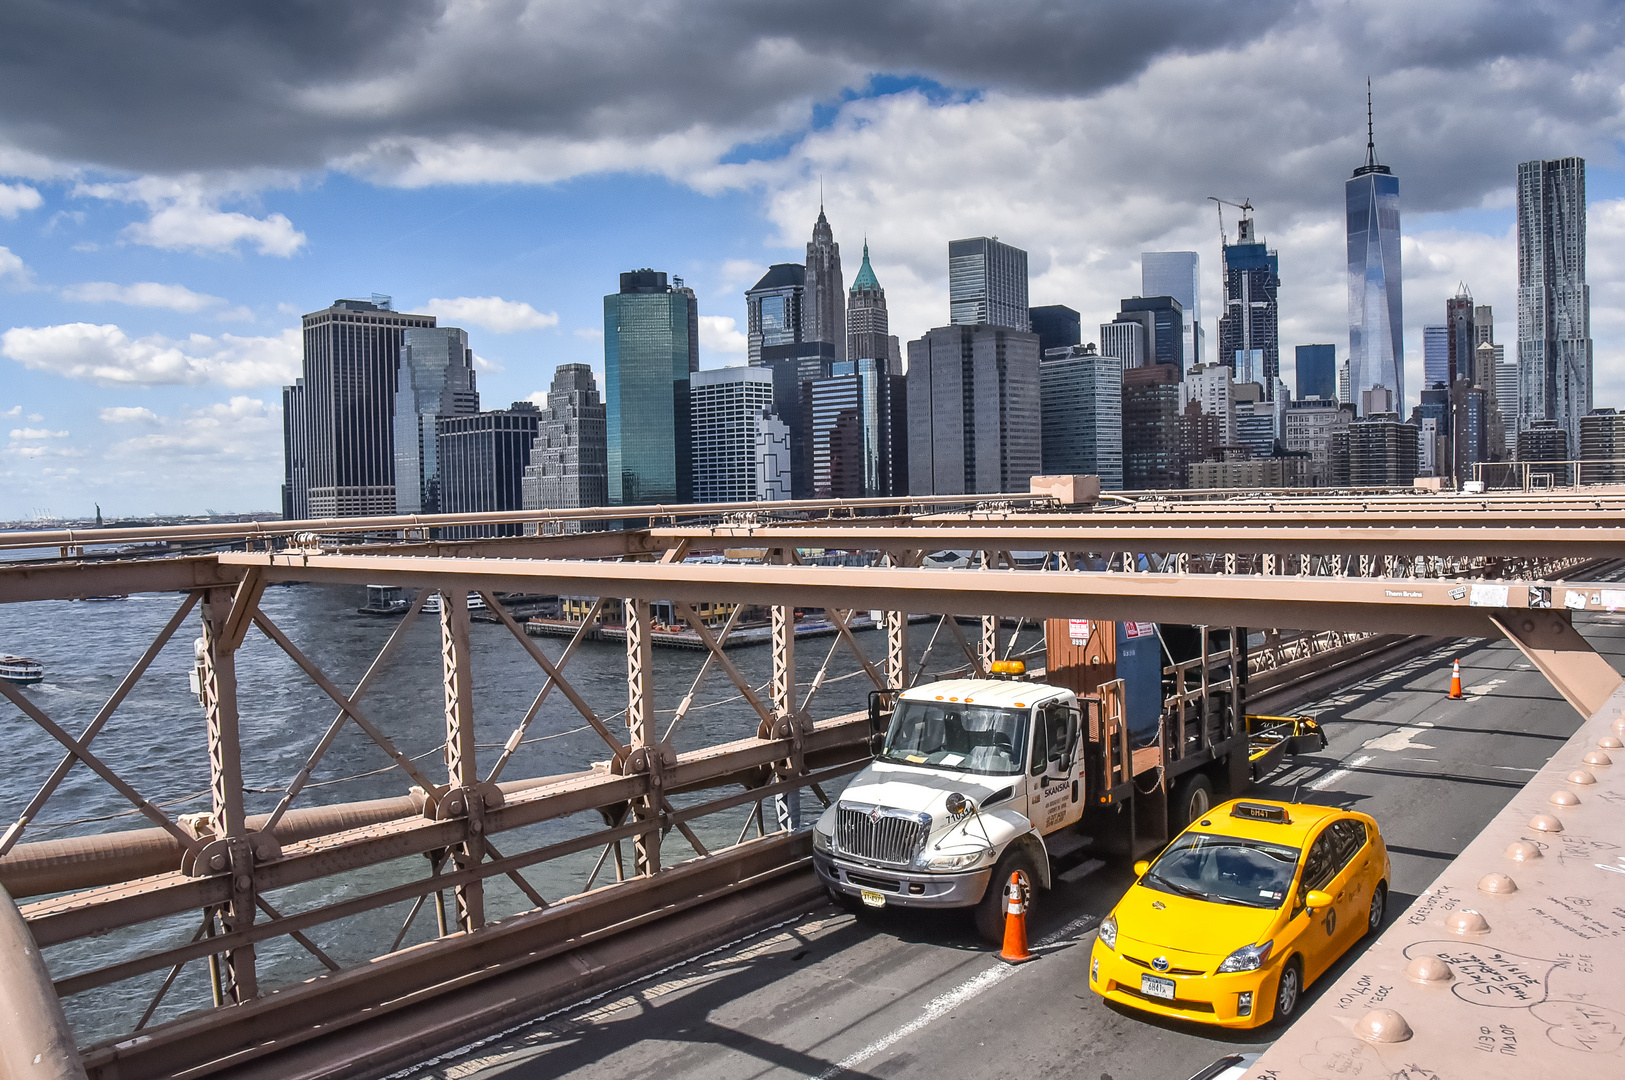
x=1289, y=991
x=990, y=912
x=1379, y=904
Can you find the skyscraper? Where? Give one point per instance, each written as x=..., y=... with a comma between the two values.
x=436, y=378
x=1317, y=371
x=972, y=402
x=1435, y=357
x=1127, y=340
x=1177, y=274
x=868, y=326
x=1382, y=451
x=1554, y=302
x=1165, y=327
x=569, y=461
x=1057, y=327
x=987, y=284
x=649, y=347
x=1249, y=330
x=1376, y=310
x=773, y=308
x=859, y=431
x=482, y=464
x=338, y=424
x=1463, y=337
x=1151, y=443
x=826, y=293
x=738, y=443
x=1081, y=395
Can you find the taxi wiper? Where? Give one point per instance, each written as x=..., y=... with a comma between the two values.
x=1183, y=890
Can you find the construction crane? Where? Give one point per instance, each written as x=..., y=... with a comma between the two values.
x=1245, y=205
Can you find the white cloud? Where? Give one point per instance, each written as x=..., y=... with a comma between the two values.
x=32, y=443
x=590, y=332
x=15, y=198
x=243, y=429
x=485, y=364
x=141, y=294
x=537, y=398
x=106, y=354
x=492, y=313
x=717, y=335
x=185, y=215
x=37, y=433
x=11, y=265
x=15, y=410
x=128, y=414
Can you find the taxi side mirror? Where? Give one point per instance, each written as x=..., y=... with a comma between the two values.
x=1317, y=900
x=1141, y=867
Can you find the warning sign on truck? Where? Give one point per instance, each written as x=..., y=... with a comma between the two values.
x=1139, y=629
x=1078, y=631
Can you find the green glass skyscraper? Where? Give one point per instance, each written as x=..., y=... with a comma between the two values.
x=651, y=344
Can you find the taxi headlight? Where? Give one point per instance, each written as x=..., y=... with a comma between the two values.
x=1108, y=932
x=1247, y=958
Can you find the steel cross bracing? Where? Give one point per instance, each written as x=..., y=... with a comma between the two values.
x=1339, y=568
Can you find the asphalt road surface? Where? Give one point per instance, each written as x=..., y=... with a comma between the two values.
x=911, y=996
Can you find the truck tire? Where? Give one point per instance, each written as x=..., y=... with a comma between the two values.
x=1193, y=797
x=990, y=911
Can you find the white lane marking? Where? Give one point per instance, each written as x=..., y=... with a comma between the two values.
x=1337, y=774
x=1484, y=688
x=1403, y=739
x=1515, y=768
x=944, y=1003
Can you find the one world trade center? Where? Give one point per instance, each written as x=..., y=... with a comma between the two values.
x=1376, y=320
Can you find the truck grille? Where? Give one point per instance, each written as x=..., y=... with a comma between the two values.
x=878, y=834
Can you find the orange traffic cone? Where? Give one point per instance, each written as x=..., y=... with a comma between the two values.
x=1015, y=924
x=1455, y=681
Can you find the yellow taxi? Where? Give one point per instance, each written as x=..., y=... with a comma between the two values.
x=1244, y=909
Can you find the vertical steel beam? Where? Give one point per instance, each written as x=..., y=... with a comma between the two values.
x=897, y=649
x=462, y=770
x=640, y=727
x=988, y=649
x=217, y=661
x=787, y=807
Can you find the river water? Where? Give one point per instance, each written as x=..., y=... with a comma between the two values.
x=156, y=741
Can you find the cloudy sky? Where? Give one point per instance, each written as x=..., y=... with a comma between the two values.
x=180, y=181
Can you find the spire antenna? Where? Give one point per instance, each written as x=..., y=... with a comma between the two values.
x=1370, y=130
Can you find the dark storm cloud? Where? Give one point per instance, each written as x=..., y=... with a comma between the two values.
x=167, y=86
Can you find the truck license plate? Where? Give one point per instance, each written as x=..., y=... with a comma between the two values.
x=874, y=899
x=1151, y=986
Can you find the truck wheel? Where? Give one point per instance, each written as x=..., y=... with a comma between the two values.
x=850, y=904
x=990, y=911
x=1193, y=797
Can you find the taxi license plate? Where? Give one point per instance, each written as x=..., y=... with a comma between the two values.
x=874, y=899
x=1152, y=986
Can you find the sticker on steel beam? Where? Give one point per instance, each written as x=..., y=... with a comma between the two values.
x=1612, y=599
x=1540, y=596
x=1488, y=596
x=1575, y=601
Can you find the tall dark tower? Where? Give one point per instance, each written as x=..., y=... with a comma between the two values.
x=825, y=313
x=1249, y=329
x=1376, y=309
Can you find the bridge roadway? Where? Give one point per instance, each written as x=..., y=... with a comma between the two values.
x=906, y=996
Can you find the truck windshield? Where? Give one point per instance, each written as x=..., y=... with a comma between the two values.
x=1225, y=870
x=949, y=735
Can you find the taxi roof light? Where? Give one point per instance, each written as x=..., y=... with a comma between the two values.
x=1261, y=812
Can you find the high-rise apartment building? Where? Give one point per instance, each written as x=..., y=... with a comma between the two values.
x=1382, y=451
x=1165, y=322
x=1249, y=330
x=738, y=443
x=1081, y=398
x=859, y=432
x=650, y=350
x=1177, y=274
x=868, y=326
x=1211, y=388
x=482, y=465
x=826, y=291
x=1376, y=308
x=1127, y=340
x=339, y=417
x=1554, y=302
x=1310, y=424
x=1057, y=327
x=1469, y=428
x=773, y=308
x=1151, y=430
x=436, y=378
x=1317, y=371
x=1343, y=381
x=1435, y=357
x=972, y=402
x=987, y=284
x=1602, y=447
x=1543, y=440
x=569, y=461
x=1463, y=337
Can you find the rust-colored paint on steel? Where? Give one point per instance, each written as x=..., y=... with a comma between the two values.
x=1507, y=967
x=73, y=580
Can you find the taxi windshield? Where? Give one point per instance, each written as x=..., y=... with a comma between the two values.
x=1225, y=870
x=952, y=735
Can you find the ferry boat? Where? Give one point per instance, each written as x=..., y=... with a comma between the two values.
x=431, y=606
x=384, y=600
x=21, y=669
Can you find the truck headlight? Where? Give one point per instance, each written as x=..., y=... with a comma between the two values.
x=1247, y=958
x=950, y=861
x=1108, y=932
x=821, y=841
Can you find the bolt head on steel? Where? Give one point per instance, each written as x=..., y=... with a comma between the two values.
x=244, y=881
x=1466, y=921
x=1545, y=823
x=217, y=862
x=1522, y=851
x=1581, y=777
x=1497, y=883
x=1564, y=798
x=1597, y=757
x=1382, y=1026
x=1428, y=969
x=1610, y=742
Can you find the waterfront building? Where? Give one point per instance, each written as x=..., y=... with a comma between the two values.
x=868, y=326
x=338, y=419
x=972, y=403
x=651, y=347
x=774, y=309
x=482, y=465
x=735, y=433
x=1164, y=320
x=1382, y=451
x=1602, y=440
x=987, y=284
x=1310, y=424
x=1151, y=436
x=1463, y=337
x=1127, y=340
x=825, y=318
x=1081, y=398
x=1249, y=330
x=569, y=461
x=1212, y=388
x=1177, y=274
x=1435, y=357
x=436, y=378
x=859, y=431
x=1554, y=302
x=1057, y=327
x=1376, y=308
x=1317, y=371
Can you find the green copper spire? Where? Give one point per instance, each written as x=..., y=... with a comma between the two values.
x=866, y=273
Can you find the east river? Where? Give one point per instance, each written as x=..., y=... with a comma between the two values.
x=156, y=742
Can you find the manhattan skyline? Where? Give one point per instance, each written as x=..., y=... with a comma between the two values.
x=151, y=288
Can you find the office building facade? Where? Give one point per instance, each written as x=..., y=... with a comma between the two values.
x=1382, y=451
x=1057, y=327
x=972, y=403
x=1164, y=319
x=1212, y=388
x=1177, y=274
x=868, y=325
x=987, y=284
x=738, y=442
x=1602, y=447
x=650, y=351
x=1462, y=337
x=1435, y=357
x=1081, y=399
x=1310, y=424
x=1316, y=367
x=859, y=432
x=1376, y=302
x=1151, y=446
x=482, y=465
x=1554, y=301
x=339, y=417
x=436, y=378
x=1126, y=340
x=1249, y=330
x=569, y=461
x=774, y=308
x=826, y=291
